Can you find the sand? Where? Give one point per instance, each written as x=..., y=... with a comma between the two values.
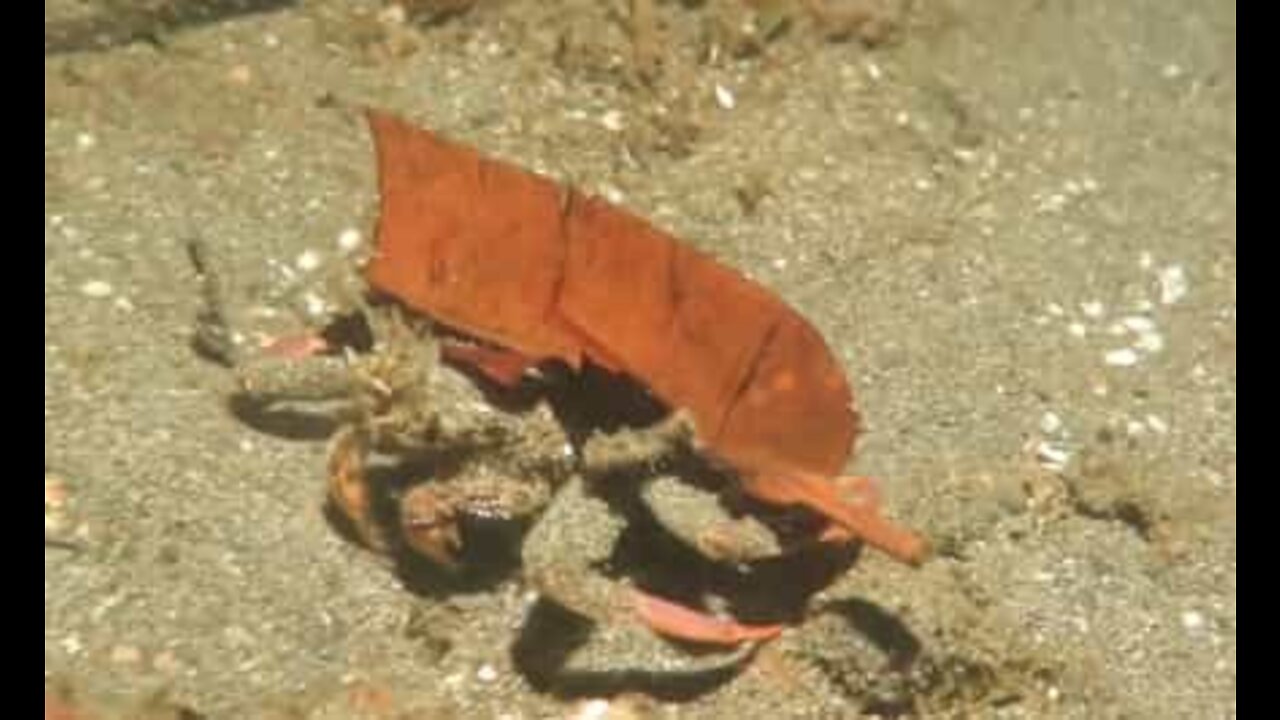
x=1014, y=222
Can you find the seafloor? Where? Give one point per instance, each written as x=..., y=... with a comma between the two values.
x=1014, y=221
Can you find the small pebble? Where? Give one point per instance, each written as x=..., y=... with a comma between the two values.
x=1150, y=342
x=1124, y=357
x=96, y=288
x=724, y=97
x=594, y=709
x=1053, y=203
x=486, y=673
x=1139, y=324
x=874, y=71
x=308, y=261
x=1173, y=284
x=1093, y=309
x=612, y=193
x=1157, y=425
x=84, y=141
x=315, y=305
x=1192, y=620
x=1052, y=456
x=1050, y=423
x=612, y=120
x=1077, y=329
x=71, y=645
x=349, y=240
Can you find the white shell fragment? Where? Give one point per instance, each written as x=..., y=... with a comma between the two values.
x=1150, y=342
x=724, y=97
x=1173, y=284
x=612, y=120
x=1124, y=357
x=1192, y=620
x=309, y=260
x=349, y=240
x=594, y=709
x=1139, y=324
x=96, y=288
x=1052, y=456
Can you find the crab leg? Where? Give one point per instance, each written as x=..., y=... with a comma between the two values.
x=577, y=532
x=673, y=620
x=695, y=516
x=349, y=489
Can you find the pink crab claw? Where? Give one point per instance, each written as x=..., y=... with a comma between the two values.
x=667, y=618
x=294, y=347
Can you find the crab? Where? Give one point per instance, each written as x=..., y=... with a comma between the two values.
x=480, y=452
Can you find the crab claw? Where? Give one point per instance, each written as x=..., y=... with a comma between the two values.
x=562, y=554
x=430, y=525
x=349, y=490
x=667, y=618
x=294, y=347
